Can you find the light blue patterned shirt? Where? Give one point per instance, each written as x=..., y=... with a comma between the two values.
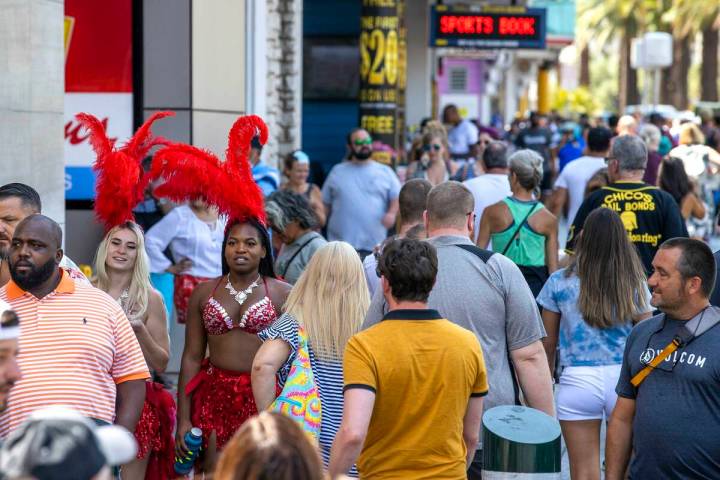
x=579, y=343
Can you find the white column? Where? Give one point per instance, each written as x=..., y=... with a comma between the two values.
x=256, y=55
x=32, y=90
x=418, y=93
x=485, y=108
x=511, y=93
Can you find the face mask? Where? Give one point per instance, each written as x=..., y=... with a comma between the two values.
x=363, y=154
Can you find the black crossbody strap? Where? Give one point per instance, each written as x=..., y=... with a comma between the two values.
x=297, y=252
x=517, y=230
x=483, y=254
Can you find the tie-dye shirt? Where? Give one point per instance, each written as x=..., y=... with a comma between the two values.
x=579, y=343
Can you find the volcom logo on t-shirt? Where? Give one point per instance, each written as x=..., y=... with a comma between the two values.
x=676, y=357
x=647, y=356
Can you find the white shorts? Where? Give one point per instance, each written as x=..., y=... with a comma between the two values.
x=587, y=393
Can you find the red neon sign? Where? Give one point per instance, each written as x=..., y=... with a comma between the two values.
x=502, y=25
x=511, y=27
x=521, y=26
x=466, y=24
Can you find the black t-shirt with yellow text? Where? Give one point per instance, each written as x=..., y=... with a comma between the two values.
x=649, y=215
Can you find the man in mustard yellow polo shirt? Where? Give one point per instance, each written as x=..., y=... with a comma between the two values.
x=414, y=383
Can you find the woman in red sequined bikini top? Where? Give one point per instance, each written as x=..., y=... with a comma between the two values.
x=257, y=317
x=224, y=316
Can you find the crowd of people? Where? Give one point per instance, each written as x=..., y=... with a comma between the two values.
x=363, y=327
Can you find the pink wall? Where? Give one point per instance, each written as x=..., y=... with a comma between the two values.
x=475, y=80
x=476, y=74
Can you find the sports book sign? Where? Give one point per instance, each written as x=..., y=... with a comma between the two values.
x=382, y=73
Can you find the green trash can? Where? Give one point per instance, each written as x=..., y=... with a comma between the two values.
x=520, y=443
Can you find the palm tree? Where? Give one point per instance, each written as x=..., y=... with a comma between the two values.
x=709, y=70
x=605, y=20
x=689, y=17
x=585, y=66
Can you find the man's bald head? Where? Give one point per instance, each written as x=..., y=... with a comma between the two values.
x=42, y=227
x=35, y=255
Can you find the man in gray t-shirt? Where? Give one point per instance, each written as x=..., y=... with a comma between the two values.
x=488, y=297
x=667, y=424
x=360, y=197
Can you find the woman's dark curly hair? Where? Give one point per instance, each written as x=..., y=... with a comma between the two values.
x=266, y=268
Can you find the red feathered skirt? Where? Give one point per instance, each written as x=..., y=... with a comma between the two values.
x=154, y=432
x=221, y=401
x=184, y=286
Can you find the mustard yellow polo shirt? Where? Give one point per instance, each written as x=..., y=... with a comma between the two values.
x=423, y=370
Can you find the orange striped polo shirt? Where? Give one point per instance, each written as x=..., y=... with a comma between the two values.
x=75, y=345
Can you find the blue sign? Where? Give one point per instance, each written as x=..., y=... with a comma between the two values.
x=79, y=183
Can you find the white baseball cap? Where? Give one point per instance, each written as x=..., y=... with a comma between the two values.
x=59, y=443
x=9, y=324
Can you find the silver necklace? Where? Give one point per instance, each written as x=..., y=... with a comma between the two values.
x=241, y=296
x=122, y=300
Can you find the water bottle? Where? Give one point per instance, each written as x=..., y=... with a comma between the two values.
x=193, y=440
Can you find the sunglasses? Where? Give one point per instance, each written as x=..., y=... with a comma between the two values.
x=435, y=146
x=360, y=141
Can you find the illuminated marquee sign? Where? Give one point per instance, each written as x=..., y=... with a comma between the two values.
x=510, y=27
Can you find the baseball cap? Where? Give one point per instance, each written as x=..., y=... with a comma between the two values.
x=59, y=443
x=9, y=323
x=300, y=156
x=568, y=127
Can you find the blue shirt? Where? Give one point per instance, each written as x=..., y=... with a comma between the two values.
x=579, y=343
x=266, y=177
x=569, y=152
x=359, y=195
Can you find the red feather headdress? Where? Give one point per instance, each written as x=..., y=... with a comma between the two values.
x=121, y=181
x=190, y=172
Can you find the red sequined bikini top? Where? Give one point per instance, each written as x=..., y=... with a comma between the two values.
x=256, y=318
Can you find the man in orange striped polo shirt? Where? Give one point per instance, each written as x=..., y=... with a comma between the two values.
x=77, y=348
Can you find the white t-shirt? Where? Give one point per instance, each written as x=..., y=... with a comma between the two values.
x=574, y=179
x=188, y=237
x=462, y=137
x=694, y=158
x=370, y=266
x=487, y=189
